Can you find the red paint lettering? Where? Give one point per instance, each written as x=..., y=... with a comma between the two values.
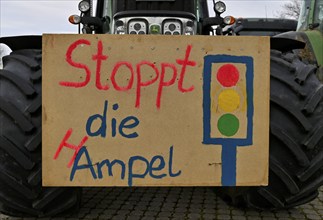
x=70, y=146
x=163, y=83
x=114, y=73
x=139, y=73
x=69, y=60
x=99, y=57
x=186, y=62
x=147, y=83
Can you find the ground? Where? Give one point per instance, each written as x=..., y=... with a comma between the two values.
x=174, y=203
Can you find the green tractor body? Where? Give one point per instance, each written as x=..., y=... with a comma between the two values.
x=311, y=23
x=310, y=31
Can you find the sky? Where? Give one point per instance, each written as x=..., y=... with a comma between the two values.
x=35, y=17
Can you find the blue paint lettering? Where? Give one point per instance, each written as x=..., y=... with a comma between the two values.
x=133, y=175
x=88, y=165
x=154, y=168
x=110, y=165
x=170, y=164
x=124, y=128
x=159, y=167
x=129, y=123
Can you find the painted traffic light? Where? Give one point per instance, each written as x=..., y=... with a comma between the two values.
x=228, y=99
x=228, y=107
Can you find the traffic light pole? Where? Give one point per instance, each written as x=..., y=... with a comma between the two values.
x=229, y=165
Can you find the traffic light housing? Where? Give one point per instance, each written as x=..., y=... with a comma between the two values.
x=228, y=100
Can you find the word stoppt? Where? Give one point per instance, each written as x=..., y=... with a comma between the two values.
x=177, y=69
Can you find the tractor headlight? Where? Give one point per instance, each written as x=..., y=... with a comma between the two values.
x=84, y=6
x=120, y=27
x=121, y=30
x=228, y=20
x=219, y=7
x=74, y=19
x=172, y=27
x=189, y=30
x=137, y=27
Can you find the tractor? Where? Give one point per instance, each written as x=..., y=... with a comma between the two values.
x=296, y=103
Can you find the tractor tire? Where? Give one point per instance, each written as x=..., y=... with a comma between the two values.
x=296, y=139
x=21, y=191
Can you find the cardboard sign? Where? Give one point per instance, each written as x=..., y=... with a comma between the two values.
x=155, y=110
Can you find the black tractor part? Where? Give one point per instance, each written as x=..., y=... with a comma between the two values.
x=21, y=191
x=264, y=26
x=296, y=139
x=133, y=5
